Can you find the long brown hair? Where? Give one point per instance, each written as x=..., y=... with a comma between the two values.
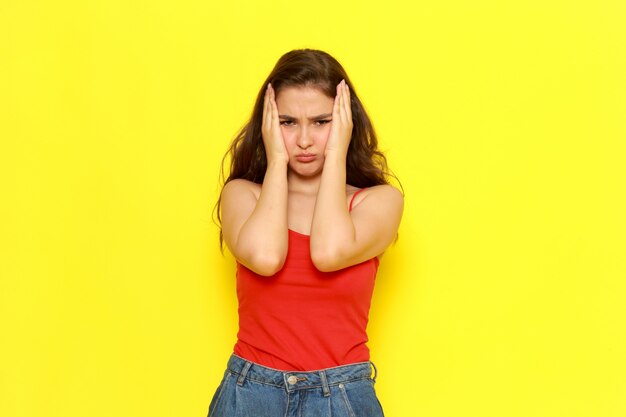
x=366, y=166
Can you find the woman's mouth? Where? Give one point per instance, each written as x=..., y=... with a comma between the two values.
x=305, y=157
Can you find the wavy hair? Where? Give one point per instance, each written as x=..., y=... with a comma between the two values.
x=366, y=166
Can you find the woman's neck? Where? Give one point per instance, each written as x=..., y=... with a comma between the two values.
x=303, y=185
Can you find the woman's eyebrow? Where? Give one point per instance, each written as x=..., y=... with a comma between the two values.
x=321, y=116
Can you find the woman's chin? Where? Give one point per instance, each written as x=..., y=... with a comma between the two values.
x=305, y=170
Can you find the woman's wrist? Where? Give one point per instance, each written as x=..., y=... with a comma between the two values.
x=277, y=163
x=335, y=155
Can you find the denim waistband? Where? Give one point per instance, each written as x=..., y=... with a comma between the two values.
x=297, y=380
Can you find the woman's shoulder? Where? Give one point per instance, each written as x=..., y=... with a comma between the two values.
x=240, y=185
x=385, y=194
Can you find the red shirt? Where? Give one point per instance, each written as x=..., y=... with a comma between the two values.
x=301, y=319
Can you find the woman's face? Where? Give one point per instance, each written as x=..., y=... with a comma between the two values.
x=305, y=116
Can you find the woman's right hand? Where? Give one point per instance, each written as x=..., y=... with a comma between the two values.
x=270, y=129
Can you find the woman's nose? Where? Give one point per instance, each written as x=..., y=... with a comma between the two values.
x=304, y=140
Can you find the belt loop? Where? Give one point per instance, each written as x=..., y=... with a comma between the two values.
x=325, y=388
x=244, y=372
x=375, y=372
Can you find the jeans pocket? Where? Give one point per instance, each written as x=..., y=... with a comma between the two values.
x=382, y=413
x=218, y=394
x=344, y=395
x=360, y=400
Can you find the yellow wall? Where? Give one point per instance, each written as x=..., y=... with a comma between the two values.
x=505, y=121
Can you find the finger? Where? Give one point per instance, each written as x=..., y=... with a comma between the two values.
x=346, y=92
x=344, y=115
x=341, y=101
x=266, y=109
x=348, y=104
x=274, y=108
x=336, y=114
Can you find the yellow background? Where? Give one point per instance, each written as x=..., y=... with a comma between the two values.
x=505, y=121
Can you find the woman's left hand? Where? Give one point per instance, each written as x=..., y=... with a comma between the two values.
x=341, y=128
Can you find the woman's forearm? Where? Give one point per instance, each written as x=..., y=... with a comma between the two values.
x=332, y=227
x=263, y=238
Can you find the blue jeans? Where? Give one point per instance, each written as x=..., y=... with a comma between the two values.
x=252, y=390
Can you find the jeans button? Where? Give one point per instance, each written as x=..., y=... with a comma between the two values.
x=292, y=379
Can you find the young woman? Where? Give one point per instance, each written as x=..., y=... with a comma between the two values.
x=307, y=211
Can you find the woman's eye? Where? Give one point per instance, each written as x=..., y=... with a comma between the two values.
x=291, y=122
